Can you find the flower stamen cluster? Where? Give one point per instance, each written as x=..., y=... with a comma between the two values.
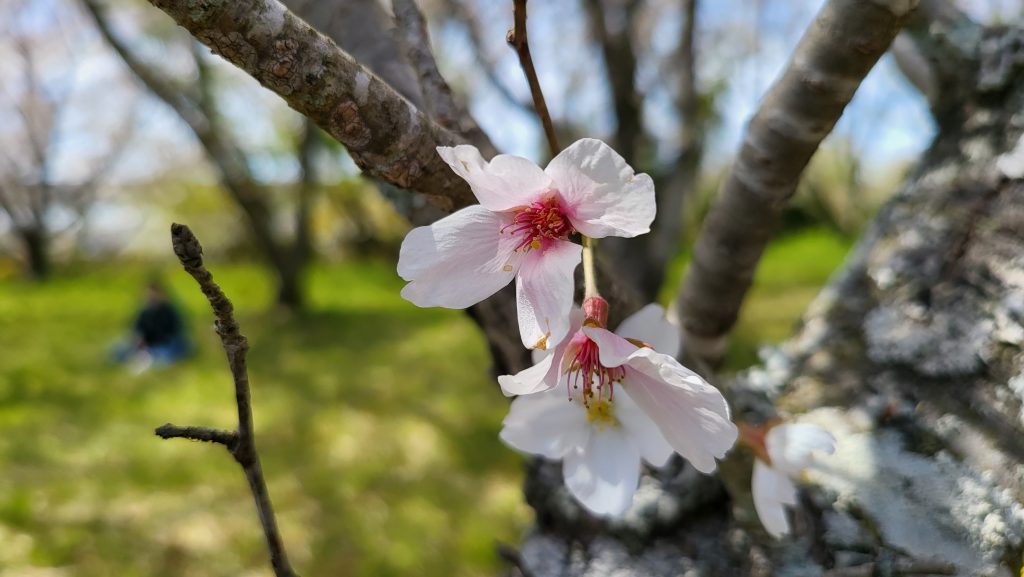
x=538, y=223
x=585, y=371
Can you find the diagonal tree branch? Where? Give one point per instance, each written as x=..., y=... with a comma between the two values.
x=843, y=43
x=242, y=442
x=938, y=54
x=437, y=95
x=387, y=136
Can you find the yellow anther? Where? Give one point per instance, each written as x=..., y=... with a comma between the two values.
x=600, y=413
x=507, y=268
x=535, y=244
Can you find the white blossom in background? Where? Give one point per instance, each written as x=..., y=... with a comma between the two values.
x=783, y=454
x=618, y=386
x=521, y=230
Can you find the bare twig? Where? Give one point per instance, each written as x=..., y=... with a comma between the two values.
x=241, y=443
x=517, y=38
x=437, y=95
x=206, y=434
x=843, y=43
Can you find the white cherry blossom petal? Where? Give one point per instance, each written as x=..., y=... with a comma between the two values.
x=692, y=414
x=615, y=350
x=604, y=195
x=544, y=290
x=458, y=261
x=545, y=424
x=644, y=433
x=503, y=183
x=791, y=446
x=540, y=377
x=772, y=491
x=650, y=325
x=603, y=475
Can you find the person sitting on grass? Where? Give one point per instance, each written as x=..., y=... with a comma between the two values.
x=158, y=333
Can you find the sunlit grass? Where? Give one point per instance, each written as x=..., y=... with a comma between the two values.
x=377, y=420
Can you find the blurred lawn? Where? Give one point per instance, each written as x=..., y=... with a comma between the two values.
x=378, y=426
x=377, y=420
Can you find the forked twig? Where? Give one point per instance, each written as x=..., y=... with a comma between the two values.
x=518, y=40
x=241, y=443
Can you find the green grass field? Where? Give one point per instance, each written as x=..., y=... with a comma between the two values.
x=378, y=427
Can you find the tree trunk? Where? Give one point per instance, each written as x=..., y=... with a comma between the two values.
x=37, y=252
x=911, y=356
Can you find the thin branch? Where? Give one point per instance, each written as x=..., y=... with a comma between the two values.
x=517, y=38
x=437, y=95
x=241, y=443
x=387, y=136
x=843, y=43
x=206, y=434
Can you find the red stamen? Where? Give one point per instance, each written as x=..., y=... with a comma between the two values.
x=584, y=370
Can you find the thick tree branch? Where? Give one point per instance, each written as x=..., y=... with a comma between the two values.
x=937, y=52
x=387, y=136
x=437, y=95
x=843, y=43
x=517, y=38
x=241, y=443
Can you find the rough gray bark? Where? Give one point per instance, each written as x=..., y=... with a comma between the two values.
x=913, y=356
x=365, y=30
x=843, y=43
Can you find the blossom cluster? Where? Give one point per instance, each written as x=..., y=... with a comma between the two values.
x=629, y=400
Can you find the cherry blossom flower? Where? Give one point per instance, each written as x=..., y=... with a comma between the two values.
x=521, y=230
x=593, y=367
x=601, y=443
x=784, y=452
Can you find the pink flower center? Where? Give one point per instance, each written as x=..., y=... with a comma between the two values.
x=585, y=371
x=539, y=223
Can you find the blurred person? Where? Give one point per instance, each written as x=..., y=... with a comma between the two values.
x=158, y=333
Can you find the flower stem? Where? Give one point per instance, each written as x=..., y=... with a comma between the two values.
x=589, y=270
